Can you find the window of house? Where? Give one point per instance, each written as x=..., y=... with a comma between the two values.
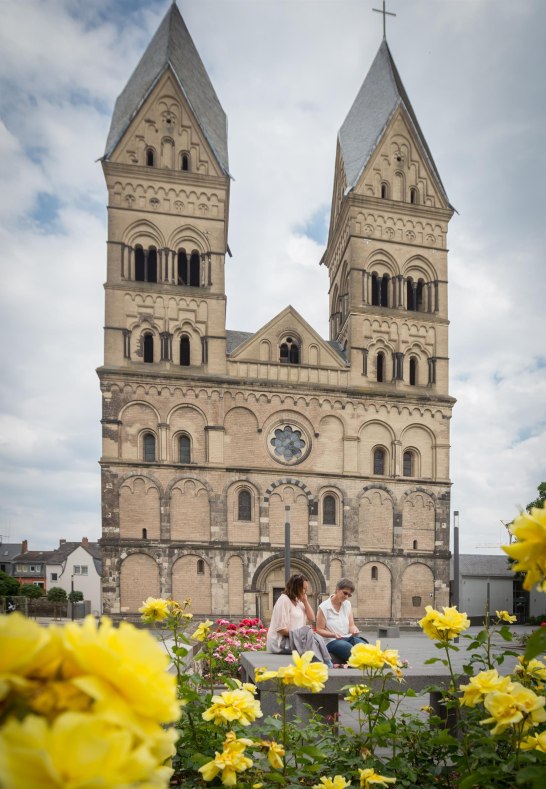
x=244, y=506
x=34, y=568
x=384, y=191
x=140, y=268
x=144, y=534
x=184, y=449
x=152, y=265
x=200, y=567
x=148, y=343
x=380, y=367
x=379, y=461
x=150, y=157
x=375, y=573
x=329, y=510
x=419, y=295
x=413, y=371
x=415, y=545
x=413, y=195
x=408, y=464
x=185, y=351
x=184, y=161
x=289, y=351
x=54, y=576
x=182, y=267
x=148, y=444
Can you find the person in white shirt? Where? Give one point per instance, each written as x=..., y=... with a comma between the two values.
x=290, y=612
x=336, y=624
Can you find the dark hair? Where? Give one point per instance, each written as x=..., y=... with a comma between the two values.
x=294, y=586
x=345, y=583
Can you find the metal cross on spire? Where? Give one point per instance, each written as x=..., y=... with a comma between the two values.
x=385, y=15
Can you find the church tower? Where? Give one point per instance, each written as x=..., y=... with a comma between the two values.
x=214, y=438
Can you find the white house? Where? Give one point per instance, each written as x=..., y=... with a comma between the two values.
x=77, y=566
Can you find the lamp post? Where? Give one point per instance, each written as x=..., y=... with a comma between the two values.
x=456, y=576
x=287, y=544
x=72, y=596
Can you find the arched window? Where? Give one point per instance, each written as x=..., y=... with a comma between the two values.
x=329, y=510
x=140, y=268
x=182, y=267
x=244, y=506
x=200, y=567
x=150, y=157
x=419, y=295
x=184, y=161
x=413, y=195
x=384, y=191
x=379, y=461
x=144, y=534
x=380, y=366
x=195, y=268
x=148, y=444
x=380, y=290
x=407, y=469
x=375, y=574
x=413, y=371
x=415, y=545
x=148, y=342
x=185, y=358
x=152, y=265
x=289, y=351
x=376, y=290
x=384, y=300
x=411, y=295
x=184, y=449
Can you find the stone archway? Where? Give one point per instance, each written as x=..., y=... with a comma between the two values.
x=269, y=583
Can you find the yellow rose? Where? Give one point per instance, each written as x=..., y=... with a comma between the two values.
x=504, y=616
x=356, y=692
x=262, y=674
x=444, y=626
x=202, y=630
x=23, y=644
x=369, y=779
x=504, y=711
x=230, y=762
x=536, y=741
x=338, y=782
x=233, y=705
x=75, y=749
x=366, y=656
x=529, y=549
x=534, y=669
x=483, y=683
x=154, y=609
x=275, y=752
x=304, y=673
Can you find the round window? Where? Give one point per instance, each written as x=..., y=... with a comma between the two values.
x=288, y=444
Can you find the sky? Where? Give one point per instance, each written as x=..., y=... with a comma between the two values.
x=286, y=73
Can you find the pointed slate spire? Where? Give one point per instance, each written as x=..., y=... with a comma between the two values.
x=172, y=46
x=379, y=97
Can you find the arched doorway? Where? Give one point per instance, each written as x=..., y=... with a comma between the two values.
x=269, y=584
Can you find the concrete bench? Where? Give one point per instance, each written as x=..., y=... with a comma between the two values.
x=326, y=702
x=388, y=631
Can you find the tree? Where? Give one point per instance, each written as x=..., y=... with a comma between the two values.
x=75, y=597
x=539, y=502
x=56, y=595
x=31, y=590
x=9, y=586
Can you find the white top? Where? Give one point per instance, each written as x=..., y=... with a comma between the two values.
x=336, y=621
x=286, y=615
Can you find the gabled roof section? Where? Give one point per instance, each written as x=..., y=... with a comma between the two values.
x=172, y=46
x=382, y=92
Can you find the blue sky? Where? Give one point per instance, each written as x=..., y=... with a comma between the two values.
x=286, y=72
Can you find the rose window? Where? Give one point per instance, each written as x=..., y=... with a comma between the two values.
x=288, y=444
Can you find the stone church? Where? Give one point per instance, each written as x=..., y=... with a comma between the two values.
x=213, y=438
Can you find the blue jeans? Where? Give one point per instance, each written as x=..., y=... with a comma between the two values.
x=340, y=648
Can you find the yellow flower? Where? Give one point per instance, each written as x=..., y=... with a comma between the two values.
x=356, y=692
x=338, y=782
x=444, y=626
x=392, y=658
x=75, y=750
x=202, y=630
x=23, y=645
x=262, y=674
x=51, y=698
x=366, y=656
x=304, y=673
x=275, y=752
x=186, y=615
x=233, y=705
x=426, y=708
x=257, y=786
x=230, y=762
x=536, y=741
x=535, y=669
x=504, y=616
x=369, y=777
x=154, y=609
x=129, y=661
x=529, y=550
x=483, y=683
x=504, y=711
x=528, y=701
x=248, y=686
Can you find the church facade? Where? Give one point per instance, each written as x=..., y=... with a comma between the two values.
x=214, y=438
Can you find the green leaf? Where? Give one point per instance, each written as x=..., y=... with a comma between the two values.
x=276, y=778
x=536, y=644
x=312, y=750
x=180, y=651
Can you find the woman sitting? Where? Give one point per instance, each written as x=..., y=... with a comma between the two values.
x=288, y=629
x=336, y=624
